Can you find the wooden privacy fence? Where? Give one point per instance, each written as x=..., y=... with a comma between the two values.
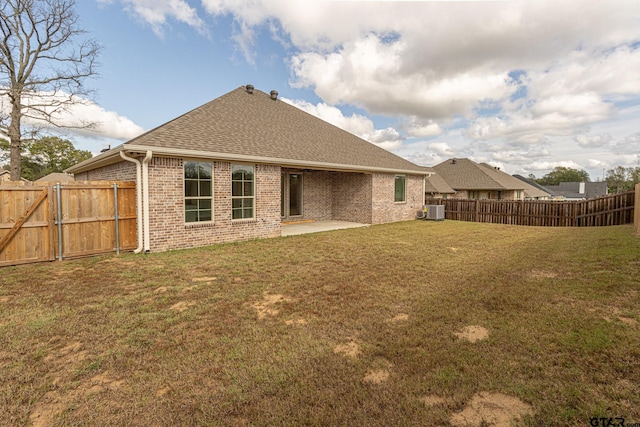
x=636, y=212
x=44, y=221
x=614, y=209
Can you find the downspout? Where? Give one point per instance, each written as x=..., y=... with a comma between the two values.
x=138, y=199
x=424, y=190
x=145, y=195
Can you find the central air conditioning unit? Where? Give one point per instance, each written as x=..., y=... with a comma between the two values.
x=434, y=212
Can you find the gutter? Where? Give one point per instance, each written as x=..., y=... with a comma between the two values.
x=138, y=199
x=145, y=200
x=108, y=158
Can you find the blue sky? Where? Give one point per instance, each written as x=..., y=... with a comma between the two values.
x=523, y=85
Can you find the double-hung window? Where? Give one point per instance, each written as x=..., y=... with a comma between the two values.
x=198, y=186
x=242, y=191
x=400, y=193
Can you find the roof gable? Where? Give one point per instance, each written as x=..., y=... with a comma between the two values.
x=254, y=125
x=464, y=174
x=435, y=184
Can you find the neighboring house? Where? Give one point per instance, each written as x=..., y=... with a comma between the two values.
x=535, y=191
x=57, y=177
x=471, y=180
x=437, y=188
x=5, y=176
x=237, y=167
x=579, y=190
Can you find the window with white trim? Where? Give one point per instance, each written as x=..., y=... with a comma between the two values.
x=242, y=191
x=198, y=192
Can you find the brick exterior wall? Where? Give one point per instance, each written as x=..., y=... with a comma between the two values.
x=121, y=171
x=351, y=197
x=327, y=195
x=385, y=209
x=166, y=207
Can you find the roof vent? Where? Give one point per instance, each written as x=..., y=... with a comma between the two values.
x=274, y=94
x=453, y=161
x=249, y=88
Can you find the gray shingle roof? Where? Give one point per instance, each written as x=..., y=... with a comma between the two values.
x=435, y=184
x=533, y=189
x=464, y=174
x=240, y=123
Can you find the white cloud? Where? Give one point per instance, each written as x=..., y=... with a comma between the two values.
x=75, y=117
x=442, y=148
x=593, y=141
x=356, y=124
x=421, y=128
x=523, y=81
x=158, y=13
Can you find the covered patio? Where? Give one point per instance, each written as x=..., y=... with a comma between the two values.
x=305, y=227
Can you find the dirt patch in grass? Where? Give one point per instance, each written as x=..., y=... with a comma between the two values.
x=473, y=333
x=204, y=279
x=433, y=400
x=380, y=372
x=350, y=349
x=491, y=409
x=400, y=318
x=265, y=308
x=182, y=306
x=377, y=376
x=55, y=402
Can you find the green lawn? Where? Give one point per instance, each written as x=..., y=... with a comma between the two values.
x=360, y=327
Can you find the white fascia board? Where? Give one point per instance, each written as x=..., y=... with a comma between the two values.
x=163, y=151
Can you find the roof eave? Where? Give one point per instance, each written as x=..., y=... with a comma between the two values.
x=113, y=156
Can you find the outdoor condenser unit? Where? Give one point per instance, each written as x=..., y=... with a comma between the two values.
x=434, y=212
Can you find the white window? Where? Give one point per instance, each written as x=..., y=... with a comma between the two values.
x=198, y=192
x=242, y=191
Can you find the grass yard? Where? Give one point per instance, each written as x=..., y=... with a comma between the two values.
x=414, y=323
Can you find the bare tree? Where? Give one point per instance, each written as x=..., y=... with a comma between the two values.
x=44, y=62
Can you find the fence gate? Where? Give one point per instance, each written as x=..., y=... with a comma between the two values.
x=43, y=221
x=25, y=224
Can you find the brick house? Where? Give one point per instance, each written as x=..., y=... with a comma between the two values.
x=239, y=166
x=472, y=180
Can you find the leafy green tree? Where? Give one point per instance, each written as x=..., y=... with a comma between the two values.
x=49, y=154
x=621, y=179
x=563, y=174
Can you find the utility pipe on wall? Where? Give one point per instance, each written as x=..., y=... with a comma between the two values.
x=145, y=196
x=138, y=199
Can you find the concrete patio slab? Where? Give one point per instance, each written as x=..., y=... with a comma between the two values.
x=304, y=227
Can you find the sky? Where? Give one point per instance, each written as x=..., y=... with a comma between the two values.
x=522, y=85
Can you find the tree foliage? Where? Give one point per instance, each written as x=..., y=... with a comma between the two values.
x=47, y=155
x=44, y=62
x=563, y=174
x=621, y=179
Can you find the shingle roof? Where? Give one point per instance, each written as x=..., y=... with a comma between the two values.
x=254, y=125
x=435, y=184
x=533, y=189
x=464, y=174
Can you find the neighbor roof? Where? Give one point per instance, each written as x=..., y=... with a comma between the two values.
x=57, y=177
x=533, y=189
x=465, y=174
x=435, y=184
x=249, y=125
